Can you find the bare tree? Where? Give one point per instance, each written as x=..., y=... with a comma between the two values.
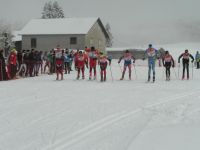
x=52, y=10
x=109, y=41
x=5, y=36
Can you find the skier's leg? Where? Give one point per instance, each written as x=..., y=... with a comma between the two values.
x=101, y=73
x=123, y=73
x=83, y=75
x=78, y=72
x=129, y=68
x=90, y=72
x=166, y=72
x=65, y=67
x=153, y=68
x=95, y=73
x=149, y=71
x=187, y=68
x=57, y=74
x=104, y=74
x=24, y=71
x=68, y=67
x=183, y=76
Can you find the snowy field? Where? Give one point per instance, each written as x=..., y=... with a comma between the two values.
x=41, y=113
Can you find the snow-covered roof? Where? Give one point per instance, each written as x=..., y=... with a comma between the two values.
x=59, y=26
x=16, y=36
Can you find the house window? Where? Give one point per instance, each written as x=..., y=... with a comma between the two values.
x=33, y=42
x=73, y=40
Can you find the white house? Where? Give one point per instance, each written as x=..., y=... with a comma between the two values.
x=72, y=33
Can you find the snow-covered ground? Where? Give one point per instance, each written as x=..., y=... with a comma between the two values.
x=41, y=113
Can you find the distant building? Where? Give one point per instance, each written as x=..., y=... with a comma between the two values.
x=116, y=53
x=72, y=33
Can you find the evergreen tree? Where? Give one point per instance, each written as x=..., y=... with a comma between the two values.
x=52, y=10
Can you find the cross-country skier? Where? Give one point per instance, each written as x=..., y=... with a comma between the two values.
x=23, y=66
x=197, y=59
x=81, y=61
x=59, y=61
x=152, y=55
x=93, y=55
x=67, y=61
x=3, y=74
x=185, y=60
x=103, y=62
x=12, y=64
x=168, y=61
x=127, y=57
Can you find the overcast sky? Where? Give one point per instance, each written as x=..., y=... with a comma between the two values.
x=133, y=22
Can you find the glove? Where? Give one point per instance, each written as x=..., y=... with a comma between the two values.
x=118, y=62
x=133, y=61
x=192, y=61
x=173, y=66
x=143, y=58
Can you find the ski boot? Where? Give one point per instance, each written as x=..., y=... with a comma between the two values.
x=122, y=78
x=104, y=78
x=148, y=79
x=153, y=78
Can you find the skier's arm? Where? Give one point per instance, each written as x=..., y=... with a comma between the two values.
x=173, y=64
x=180, y=58
x=120, y=59
x=145, y=54
x=109, y=58
x=192, y=58
x=158, y=54
x=163, y=61
x=86, y=63
x=133, y=59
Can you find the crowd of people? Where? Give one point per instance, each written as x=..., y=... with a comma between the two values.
x=30, y=63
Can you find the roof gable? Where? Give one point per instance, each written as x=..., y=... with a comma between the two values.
x=59, y=26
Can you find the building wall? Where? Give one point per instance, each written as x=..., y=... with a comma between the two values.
x=47, y=42
x=96, y=38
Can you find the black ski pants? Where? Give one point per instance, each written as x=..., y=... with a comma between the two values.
x=167, y=67
x=185, y=66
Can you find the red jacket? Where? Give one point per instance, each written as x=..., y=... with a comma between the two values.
x=80, y=60
x=13, y=58
x=93, y=56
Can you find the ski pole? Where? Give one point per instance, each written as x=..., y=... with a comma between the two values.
x=1, y=71
x=111, y=73
x=192, y=70
x=175, y=73
x=135, y=71
x=120, y=67
x=178, y=71
x=163, y=72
